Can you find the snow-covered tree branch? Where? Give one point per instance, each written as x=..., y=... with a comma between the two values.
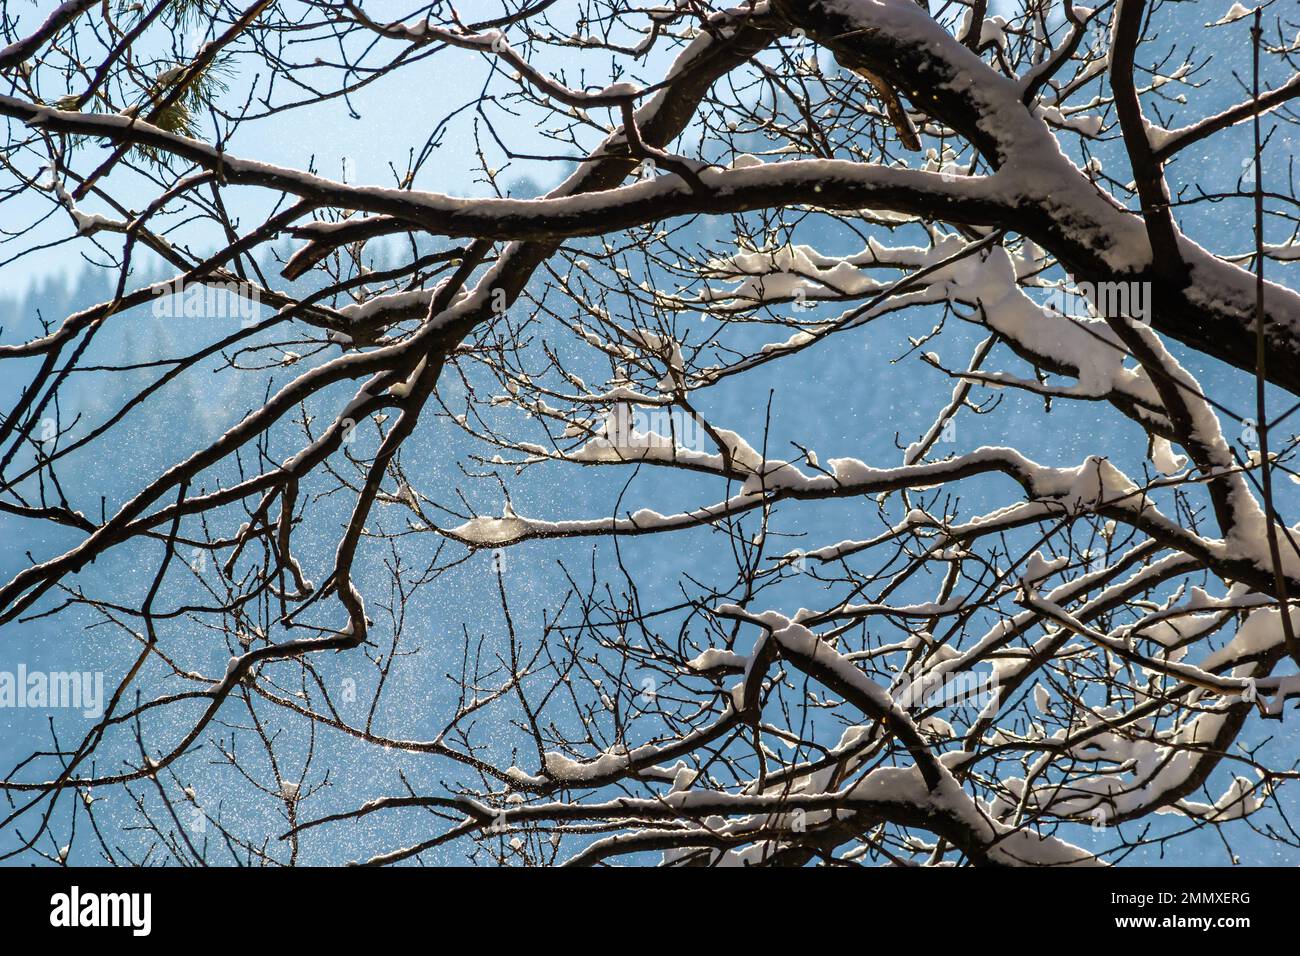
x=873, y=444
